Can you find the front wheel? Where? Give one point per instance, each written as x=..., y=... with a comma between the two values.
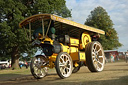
x=63, y=65
x=95, y=58
x=37, y=66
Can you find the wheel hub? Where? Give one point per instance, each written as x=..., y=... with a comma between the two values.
x=96, y=56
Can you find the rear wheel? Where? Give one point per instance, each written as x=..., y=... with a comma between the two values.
x=95, y=58
x=63, y=65
x=76, y=69
x=37, y=66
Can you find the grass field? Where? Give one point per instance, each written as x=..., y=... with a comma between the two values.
x=113, y=74
x=7, y=74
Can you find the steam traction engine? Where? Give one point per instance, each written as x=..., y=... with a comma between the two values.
x=67, y=45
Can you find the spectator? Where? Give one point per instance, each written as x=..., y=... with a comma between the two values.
x=26, y=64
x=9, y=66
x=112, y=57
x=117, y=57
x=20, y=65
x=126, y=56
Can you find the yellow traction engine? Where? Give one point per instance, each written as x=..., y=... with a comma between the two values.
x=66, y=45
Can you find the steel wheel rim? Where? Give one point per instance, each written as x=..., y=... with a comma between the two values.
x=65, y=65
x=39, y=71
x=98, y=56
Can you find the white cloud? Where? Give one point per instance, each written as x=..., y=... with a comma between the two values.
x=117, y=10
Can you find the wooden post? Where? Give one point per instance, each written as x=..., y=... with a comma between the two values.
x=48, y=27
x=30, y=31
x=43, y=27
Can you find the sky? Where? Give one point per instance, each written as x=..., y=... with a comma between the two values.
x=116, y=9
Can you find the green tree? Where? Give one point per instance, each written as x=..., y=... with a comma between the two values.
x=13, y=40
x=100, y=19
x=57, y=7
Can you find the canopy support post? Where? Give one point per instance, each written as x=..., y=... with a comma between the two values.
x=30, y=31
x=26, y=33
x=48, y=27
x=43, y=27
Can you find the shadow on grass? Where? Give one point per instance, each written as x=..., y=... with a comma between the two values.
x=10, y=79
x=14, y=78
x=117, y=70
x=53, y=79
x=119, y=81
